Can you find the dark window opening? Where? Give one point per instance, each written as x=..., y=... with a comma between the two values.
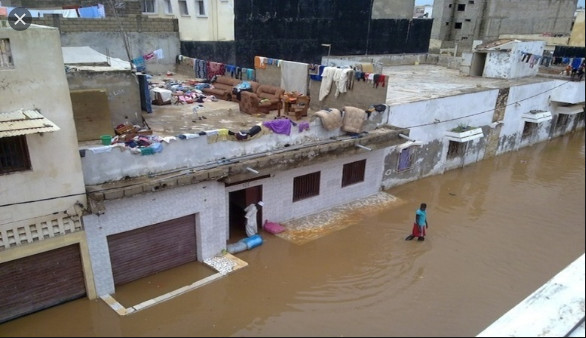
x=467, y=20
x=306, y=186
x=456, y=149
x=464, y=38
x=14, y=154
x=562, y=122
x=528, y=130
x=5, y=54
x=458, y=25
x=353, y=173
x=461, y=7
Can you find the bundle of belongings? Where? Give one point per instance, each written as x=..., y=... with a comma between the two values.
x=350, y=119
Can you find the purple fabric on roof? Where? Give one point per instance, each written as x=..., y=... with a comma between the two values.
x=279, y=126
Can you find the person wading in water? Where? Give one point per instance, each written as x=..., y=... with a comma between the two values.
x=420, y=224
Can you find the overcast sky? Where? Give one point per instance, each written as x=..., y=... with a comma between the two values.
x=430, y=2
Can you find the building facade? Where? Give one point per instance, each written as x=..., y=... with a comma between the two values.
x=460, y=22
x=200, y=20
x=44, y=258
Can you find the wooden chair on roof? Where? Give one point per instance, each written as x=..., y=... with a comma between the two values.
x=300, y=106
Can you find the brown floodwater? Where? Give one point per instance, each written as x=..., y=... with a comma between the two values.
x=498, y=230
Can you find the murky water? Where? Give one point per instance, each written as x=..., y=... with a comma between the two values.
x=499, y=229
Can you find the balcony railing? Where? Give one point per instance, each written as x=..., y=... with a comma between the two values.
x=38, y=229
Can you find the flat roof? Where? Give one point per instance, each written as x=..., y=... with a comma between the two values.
x=414, y=83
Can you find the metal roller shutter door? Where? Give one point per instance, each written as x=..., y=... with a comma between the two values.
x=40, y=281
x=143, y=252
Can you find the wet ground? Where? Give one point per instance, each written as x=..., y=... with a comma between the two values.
x=498, y=230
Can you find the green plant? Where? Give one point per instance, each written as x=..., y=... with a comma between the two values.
x=462, y=127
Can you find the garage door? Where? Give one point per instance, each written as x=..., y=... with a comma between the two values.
x=40, y=281
x=143, y=252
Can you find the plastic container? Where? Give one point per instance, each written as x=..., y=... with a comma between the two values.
x=252, y=241
x=236, y=247
x=106, y=140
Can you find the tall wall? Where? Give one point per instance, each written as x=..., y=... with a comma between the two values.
x=295, y=30
x=121, y=88
x=144, y=34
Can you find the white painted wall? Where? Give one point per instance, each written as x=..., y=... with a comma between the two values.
x=429, y=120
x=208, y=199
x=278, y=195
x=556, y=309
x=38, y=80
x=216, y=25
x=509, y=64
x=115, y=164
x=568, y=91
x=205, y=200
x=523, y=99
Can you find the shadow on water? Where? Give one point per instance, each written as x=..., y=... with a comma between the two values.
x=499, y=229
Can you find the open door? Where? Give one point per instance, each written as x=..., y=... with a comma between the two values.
x=477, y=64
x=238, y=201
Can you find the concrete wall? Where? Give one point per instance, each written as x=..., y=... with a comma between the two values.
x=521, y=100
x=362, y=95
x=121, y=88
x=144, y=34
x=568, y=92
x=428, y=122
x=55, y=182
x=547, y=16
x=508, y=65
x=112, y=164
x=488, y=19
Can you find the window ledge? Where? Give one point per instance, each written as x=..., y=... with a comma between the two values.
x=464, y=136
x=536, y=116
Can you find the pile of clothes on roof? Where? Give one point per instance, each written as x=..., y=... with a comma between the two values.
x=171, y=91
x=138, y=139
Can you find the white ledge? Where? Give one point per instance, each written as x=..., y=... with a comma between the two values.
x=464, y=136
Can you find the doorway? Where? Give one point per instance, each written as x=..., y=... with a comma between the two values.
x=238, y=201
x=477, y=65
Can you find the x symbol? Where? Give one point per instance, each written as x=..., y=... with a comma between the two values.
x=19, y=19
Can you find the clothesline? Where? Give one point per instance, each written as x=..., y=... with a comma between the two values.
x=204, y=69
x=95, y=12
x=140, y=62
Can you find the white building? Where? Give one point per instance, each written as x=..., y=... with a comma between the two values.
x=199, y=20
x=42, y=192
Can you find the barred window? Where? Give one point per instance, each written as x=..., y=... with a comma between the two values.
x=306, y=186
x=353, y=173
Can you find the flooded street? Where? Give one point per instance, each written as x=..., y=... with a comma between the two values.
x=498, y=230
